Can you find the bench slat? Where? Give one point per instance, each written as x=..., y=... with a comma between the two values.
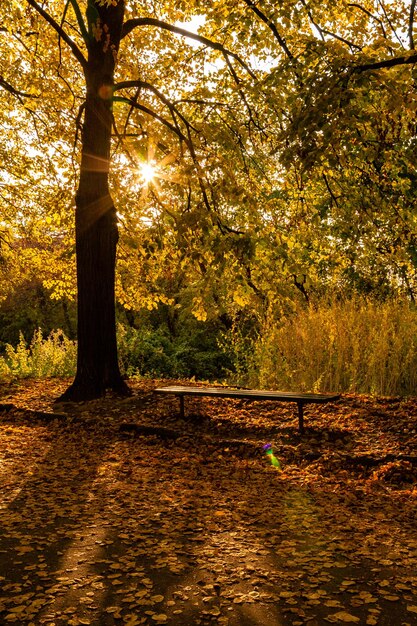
x=258, y=394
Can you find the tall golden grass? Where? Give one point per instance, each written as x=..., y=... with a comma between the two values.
x=359, y=346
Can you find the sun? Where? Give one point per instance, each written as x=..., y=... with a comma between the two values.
x=148, y=171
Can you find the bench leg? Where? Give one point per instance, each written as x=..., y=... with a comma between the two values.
x=300, y=417
x=182, y=413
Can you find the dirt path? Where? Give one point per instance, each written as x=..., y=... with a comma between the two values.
x=105, y=525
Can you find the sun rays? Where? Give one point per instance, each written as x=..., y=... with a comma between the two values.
x=148, y=172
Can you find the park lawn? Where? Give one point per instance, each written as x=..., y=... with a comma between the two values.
x=118, y=512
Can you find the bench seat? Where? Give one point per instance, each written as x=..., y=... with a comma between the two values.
x=251, y=394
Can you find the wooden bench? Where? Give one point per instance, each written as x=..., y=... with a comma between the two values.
x=251, y=394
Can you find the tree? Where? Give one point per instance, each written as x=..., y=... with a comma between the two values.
x=338, y=109
x=95, y=216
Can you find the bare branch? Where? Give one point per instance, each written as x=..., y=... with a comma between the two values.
x=61, y=32
x=271, y=26
x=129, y=25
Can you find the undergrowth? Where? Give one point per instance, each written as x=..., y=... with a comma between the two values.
x=145, y=352
x=357, y=346
x=54, y=355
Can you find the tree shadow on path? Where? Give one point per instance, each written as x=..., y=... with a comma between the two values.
x=49, y=509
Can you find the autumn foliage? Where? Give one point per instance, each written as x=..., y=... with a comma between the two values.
x=281, y=142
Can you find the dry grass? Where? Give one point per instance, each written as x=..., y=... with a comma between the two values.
x=362, y=347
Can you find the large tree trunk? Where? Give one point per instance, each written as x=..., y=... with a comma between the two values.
x=95, y=221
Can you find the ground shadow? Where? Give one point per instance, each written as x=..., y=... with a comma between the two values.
x=120, y=529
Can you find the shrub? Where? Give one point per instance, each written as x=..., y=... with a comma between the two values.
x=155, y=352
x=53, y=356
x=142, y=352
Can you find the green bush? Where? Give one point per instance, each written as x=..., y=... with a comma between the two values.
x=42, y=358
x=155, y=352
x=142, y=352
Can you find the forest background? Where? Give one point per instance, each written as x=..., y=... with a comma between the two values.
x=264, y=174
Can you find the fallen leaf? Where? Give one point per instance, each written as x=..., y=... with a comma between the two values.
x=157, y=598
x=343, y=616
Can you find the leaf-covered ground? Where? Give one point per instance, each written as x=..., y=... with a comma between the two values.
x=118, y=512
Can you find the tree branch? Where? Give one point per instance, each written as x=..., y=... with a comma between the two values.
x=187, y=139
x=242, y=94
x=129, y=25
x=345, y=41
x=329, y=189
x=173, y=127
x=312, y=20
x=271, y=26
x=390, y=23
x=408, y=59
x=324, y=31
x=377, y=19
x=15, y=92
x=339, y=38
x=208, y=103
x=61, y=32
x=411, y=24
x=141, y=107
x=80, y=20
x=142, y=84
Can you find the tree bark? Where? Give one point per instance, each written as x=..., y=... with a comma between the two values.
x=95, y=219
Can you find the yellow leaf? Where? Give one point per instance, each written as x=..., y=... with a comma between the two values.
x=214, y=611
x=18, y=609
x=343, y=616
x=23, y=549
x=132, y=620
